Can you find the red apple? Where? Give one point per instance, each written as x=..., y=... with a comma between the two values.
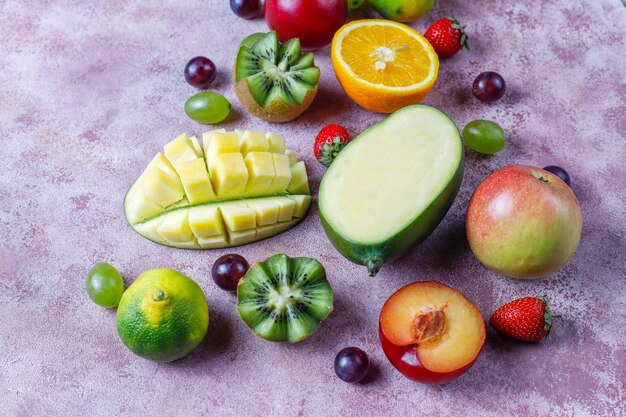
x=430, y=332
x=314, y=22
x=523, y=222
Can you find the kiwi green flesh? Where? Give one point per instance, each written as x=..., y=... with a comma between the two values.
x=284, y=299
x=251, y=39
x=267, y=47
x=270, y=76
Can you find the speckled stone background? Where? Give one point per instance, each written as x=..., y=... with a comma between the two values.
x=90, y=90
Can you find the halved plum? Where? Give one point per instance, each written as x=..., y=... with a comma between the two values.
x=430, y=332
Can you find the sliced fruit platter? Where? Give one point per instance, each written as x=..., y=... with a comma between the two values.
x=384, y=191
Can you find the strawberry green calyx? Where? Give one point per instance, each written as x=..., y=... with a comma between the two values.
x=464, y=38
x=330, y=150
x=548, y=316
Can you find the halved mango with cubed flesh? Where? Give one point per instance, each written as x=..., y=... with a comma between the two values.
x=238, y=187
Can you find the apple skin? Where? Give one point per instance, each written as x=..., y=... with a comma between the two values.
x=402, y=10
x=314, y=22
x=406, y=360
x=523, y=222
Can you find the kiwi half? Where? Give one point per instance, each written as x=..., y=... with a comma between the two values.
x=274, y=81
x=283, y=299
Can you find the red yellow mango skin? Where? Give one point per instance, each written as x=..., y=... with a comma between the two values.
x=523, y=222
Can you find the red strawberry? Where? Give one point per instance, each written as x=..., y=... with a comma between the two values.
x=447, y=36
x=527, y=319
x=329, y=142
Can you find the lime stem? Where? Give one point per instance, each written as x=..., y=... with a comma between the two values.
x=159, y=295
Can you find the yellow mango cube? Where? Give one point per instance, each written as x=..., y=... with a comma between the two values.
x=229, y=174
x=266, y=211
x=180, y=150
x=241, y=238
x=162, y=188
x=283, y=174
x=293, y=158
x=271, y=230
x=302, y=204
x=205, y=221
x=196, y=182
x=196, y=146
x=161, y=162
x=175, y=228
x=221, y=143
x=277, y=144
x=286, y=208
x=299, y=183
x=139, y=208
x=238, y=216
x=217, y=241
x=261, y=172
x=252, y=141
x=206, y=138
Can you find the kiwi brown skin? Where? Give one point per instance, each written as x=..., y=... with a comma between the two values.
x=277, y=111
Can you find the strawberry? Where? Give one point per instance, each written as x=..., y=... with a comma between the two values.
x=447, y=37
x=329, y=142
x=527, y=319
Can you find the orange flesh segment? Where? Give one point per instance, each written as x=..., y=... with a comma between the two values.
x=464, y=333
x=411, y=63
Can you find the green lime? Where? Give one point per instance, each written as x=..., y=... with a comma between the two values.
x=163, y=315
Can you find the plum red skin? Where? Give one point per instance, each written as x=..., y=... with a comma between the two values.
x=314, y=22
x=405, y=360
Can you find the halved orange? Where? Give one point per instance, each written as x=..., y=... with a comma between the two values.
x=383, y=65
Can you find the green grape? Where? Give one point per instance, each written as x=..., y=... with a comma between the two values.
x=105, y=285
x=355, y=4
x=484, y=136
x=207, y=107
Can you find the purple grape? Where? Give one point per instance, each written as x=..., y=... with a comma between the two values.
x=489, y=86
x=248, y=9
x=228, y=270
x=200, y=72
x=351, y=365
x=559, y=172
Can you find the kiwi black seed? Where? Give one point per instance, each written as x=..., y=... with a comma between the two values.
x=284, y=299
x=274, y=81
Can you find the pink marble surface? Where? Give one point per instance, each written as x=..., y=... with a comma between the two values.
x=90, y=90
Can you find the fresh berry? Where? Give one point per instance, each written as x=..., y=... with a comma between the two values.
x=200, y=72
x=559, y=172
x=447, y=37
x=527, y=319
x=351, y=365
x=228, y=270
x=489, y=86
x=248, y=9
x=329, y=142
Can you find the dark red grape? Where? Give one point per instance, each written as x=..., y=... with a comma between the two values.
x=248, y=9
x=351, y=365
x=559, y=172
x=489, y=86
x=228, y=270
x=200, y=72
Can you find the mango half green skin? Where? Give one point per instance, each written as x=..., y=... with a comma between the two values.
x=390, y=187
x=402, y=10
